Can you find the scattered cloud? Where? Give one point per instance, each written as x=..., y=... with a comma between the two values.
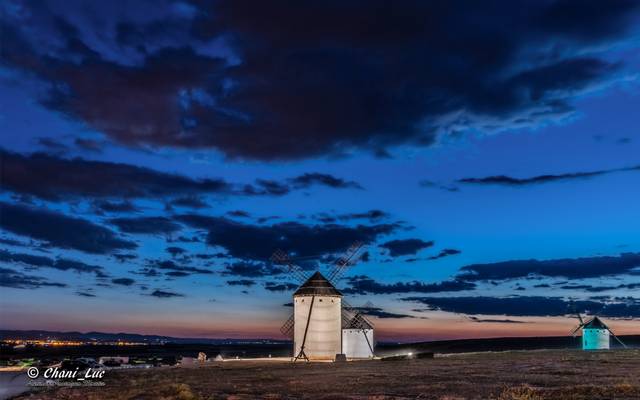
x=146, y=225
x=241, y=282
x=535, y=180
x=172, y=266
x=61, y=264
x=124, y=206
x=444, y=253
x=362, y=284
x=193, y=202
x=280, y=287
x=89, y=145
x=252, y=269
x=430, y=184
x=380, y=313
x=60, y=230
x=53, y=178
x=315, y=178
x=163, y=294
x=570, y=268
x=496, y=321
x=403, y=247
x=123, y=281
x=257, y=242
x=17, y=280
x=523, y=306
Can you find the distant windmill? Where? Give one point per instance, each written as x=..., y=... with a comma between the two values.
x=323, y=324
x=595, y=333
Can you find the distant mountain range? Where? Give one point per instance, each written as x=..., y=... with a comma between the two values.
x=113, y=337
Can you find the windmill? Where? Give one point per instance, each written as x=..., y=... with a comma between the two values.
x=595, y=333
x=320, y=313
x=357, y=332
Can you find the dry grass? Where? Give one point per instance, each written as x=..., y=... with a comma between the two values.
x=532, y=375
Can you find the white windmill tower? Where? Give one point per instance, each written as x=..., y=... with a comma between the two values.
x=321, y=316
x=596, y=335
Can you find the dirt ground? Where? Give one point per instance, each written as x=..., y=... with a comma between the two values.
x=508, y=375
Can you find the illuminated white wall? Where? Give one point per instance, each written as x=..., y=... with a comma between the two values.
x=595, y=339
x=354, y=343
x=323, y=337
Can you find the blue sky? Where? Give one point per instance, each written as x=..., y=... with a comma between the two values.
x=510, y=151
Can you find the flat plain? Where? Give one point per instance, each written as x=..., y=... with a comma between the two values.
x=516, y=375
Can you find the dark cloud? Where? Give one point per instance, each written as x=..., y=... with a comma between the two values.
x=252, y=269
x=269, y=187
x=53, y=178
x=78, y=266
x=186, y=239
x=175, y=251
x=61, y=264
x=527, y=306
x=165, y=294
x=193, y=202
x=362, y=284
x=302, y=80
x=403, y=247
x=596, y=289
x=430, y=184
x=177, y=274
x=570, y=268
x=280, y=287
x=11, y=242
x=444, y=253
x=239, y=213
x=60, y=230
x=496, y=321
x=124, y=257
x=172, y=266
x=52, y=145
x=146, y=225
x=510, y=181
x=123, y=281
x=85, y=294
x=258, y=242
x=148, y=272
x=371, y=215
x=314, y=178
x=266, y=187
x=380, y=313
x=89, y=145
x=241, y=282
x=17, y=280
x=116, y=206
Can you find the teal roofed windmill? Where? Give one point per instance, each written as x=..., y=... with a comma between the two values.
x=596, y=335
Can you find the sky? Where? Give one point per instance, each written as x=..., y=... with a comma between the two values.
x=155, y=154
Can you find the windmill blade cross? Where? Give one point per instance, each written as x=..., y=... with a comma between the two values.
x=354, y=317
x=287, y=328
x=349, y=258
x=573, y=333
x=282, y=258
x=617, y=338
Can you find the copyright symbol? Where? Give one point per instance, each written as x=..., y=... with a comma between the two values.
x=33, y=372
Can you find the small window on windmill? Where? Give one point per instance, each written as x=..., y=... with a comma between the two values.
x=320, y=300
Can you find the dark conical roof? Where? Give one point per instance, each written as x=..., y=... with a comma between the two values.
x=595, y=323
x=317, y=285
